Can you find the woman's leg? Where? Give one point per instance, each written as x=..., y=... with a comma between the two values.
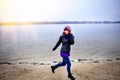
x=63, y=63
x=67, y=61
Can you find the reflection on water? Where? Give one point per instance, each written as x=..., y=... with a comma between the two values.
x=34, y=43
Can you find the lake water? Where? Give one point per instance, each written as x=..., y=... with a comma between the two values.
x=34, y=43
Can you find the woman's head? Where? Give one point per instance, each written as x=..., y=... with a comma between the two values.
x=67, y=30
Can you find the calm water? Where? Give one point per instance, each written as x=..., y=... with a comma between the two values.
x=34, y=43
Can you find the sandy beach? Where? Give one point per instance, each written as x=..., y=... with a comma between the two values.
x=83, y=69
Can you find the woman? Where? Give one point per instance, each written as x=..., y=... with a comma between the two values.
x=67, y=39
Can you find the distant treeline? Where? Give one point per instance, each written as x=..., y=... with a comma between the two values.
x=80, y=22
x=59, y=22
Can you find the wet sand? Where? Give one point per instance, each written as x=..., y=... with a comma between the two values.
x=83, y=69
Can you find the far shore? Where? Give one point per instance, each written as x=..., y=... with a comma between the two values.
x=56, y=22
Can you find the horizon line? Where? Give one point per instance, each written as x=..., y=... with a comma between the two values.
x=56, y=22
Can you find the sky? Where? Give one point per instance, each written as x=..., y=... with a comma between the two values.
x=59, y=10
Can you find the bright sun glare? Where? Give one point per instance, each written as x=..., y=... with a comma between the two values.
x=28, y=10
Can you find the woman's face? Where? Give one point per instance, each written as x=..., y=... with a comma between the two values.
x=66, y=32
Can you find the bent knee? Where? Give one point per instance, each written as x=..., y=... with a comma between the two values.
x=69, y=64
x=64, y=64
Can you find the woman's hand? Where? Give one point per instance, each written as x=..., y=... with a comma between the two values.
x=53, y=49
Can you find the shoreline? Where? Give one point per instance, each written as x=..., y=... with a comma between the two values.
x=81, y=60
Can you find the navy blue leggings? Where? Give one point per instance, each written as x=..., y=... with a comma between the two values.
x=65, y=61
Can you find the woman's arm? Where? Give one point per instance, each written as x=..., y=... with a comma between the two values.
x=58, y=43
x=71, y=39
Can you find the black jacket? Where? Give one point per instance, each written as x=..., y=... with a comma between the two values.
x=65, y=43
